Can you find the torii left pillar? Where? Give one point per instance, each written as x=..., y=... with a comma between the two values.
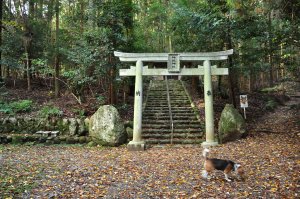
x=209, y=110
x=137, y=144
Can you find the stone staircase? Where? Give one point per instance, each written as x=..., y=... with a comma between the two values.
x=160, y=114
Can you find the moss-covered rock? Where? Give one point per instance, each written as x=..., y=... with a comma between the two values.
x=73, y=126
x=82, y=139
x=231, y=124
x=106, y=127
x=70, y=140
x=56, y=140
x=91, y=144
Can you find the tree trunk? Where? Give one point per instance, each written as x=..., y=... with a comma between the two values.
x=112, y=90
x=1, y=16
x=31, y=9
x=56, y=82
x=40, y=12
x=28, y=66
x=91, y=14
x=231, y=69
x=271, y=80
x=82, y=16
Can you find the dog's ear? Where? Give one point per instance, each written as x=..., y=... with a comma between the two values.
x=240, y=171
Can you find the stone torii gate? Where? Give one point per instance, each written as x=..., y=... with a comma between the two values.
x=173, y=68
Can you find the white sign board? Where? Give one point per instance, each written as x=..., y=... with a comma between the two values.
x=244, y=101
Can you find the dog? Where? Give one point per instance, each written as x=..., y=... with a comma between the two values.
x=226, y=166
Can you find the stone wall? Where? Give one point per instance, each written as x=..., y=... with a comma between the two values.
x=23, y=129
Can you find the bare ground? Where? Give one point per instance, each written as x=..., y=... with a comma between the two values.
x=270, y=155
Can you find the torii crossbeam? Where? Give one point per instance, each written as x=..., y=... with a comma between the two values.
x=173, y=62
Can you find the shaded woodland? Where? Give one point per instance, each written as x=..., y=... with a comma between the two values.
x=67, y=46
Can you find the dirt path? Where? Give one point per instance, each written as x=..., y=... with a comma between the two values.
x=270, y=155
x=286, y=119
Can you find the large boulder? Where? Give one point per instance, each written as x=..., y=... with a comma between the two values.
x=106, y=127
x=231, y=124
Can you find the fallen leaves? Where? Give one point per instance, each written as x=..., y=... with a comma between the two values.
x=271, y=161
x=158, y=172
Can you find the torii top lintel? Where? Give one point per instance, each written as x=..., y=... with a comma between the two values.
x=163, y=57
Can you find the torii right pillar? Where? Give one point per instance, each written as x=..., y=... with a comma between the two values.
x=209, y=110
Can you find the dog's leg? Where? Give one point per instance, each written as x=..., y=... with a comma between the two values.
x=226, y=177
x=204, y=174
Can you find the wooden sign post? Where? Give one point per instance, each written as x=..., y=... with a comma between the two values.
x=244, y=103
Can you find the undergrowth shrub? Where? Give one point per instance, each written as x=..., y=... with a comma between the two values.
x=16, y=107
x=50, y=111
x=21, y=106
x=271, y=105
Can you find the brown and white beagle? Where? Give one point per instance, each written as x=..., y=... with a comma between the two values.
x=226, y=166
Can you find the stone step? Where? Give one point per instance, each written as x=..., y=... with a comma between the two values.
x=165, y=98
x=167, y=125
x=156, y=126
x=156, y=109
x=184, y=127
x=175, y=135
x=167, y=117
x=175, y=141
x=179, y=131
x=175, y=106
x=156, y=119
x=157, y=105
x=159, y=121
x=153, y=113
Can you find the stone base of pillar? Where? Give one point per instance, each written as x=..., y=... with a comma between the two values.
x=208, y=144
x=136, y=146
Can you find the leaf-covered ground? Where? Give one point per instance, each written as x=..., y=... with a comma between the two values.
x=270, y=155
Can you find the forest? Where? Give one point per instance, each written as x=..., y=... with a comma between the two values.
x=68, y=45
x=66, y=114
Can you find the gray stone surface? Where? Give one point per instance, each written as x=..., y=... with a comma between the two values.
x=106, y=127
x=73, y=127
x=231, y=124
x=81, y=127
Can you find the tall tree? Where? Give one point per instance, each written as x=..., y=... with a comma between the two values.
x=1, y=17
x=56, y=62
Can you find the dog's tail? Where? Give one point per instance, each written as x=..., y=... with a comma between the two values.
x=205, y=153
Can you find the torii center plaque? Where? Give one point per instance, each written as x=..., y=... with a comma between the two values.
x=173, y=68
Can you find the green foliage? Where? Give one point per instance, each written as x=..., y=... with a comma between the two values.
x=123, y=107
x=80, y=112
x=89, y=32
x=5, y=108
x=16, y=107
x=271, y=105
x=101, y=100
x=17, y=139
x=22, y=106
x=276, y=88
x=50, y=111
x=295, y=107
